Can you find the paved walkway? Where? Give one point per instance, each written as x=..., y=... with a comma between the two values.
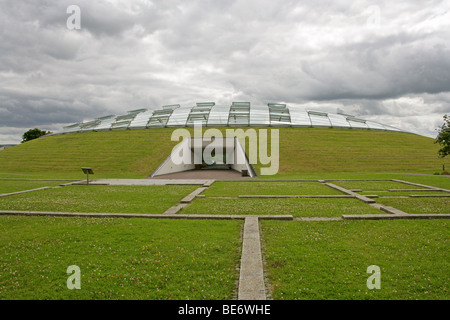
x=351, y=193
x=143, y=215
x=204, y=174
x=251, y=279
x=147, y=182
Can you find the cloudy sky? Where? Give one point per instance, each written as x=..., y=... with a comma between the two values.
x=387, y=61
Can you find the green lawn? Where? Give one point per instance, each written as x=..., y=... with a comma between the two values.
x=118, y=258
x=97, y=198
x=236, y=188
x=374, y=185
x=329, y=260
x=419, y=205
x=439, y=181
x=402, y=193
x=298, y=207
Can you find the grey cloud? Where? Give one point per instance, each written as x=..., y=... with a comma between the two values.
x=140, y=53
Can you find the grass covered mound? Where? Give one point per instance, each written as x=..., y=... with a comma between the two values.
x=118, y=258
x=302, y=151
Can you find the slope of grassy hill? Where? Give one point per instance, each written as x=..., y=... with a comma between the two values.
x=303, y=151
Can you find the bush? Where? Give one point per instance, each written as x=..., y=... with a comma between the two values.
x=33, y=134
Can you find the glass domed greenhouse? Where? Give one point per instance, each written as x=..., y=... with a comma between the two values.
x=238, y=114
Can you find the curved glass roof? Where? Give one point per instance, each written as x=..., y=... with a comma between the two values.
x=238, y=114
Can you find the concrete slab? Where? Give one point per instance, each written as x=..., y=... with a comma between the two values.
x=410, y=190
x=175, y=209
x=209, y=183
x=192, y=195
x=395, y=216
x=318, y=218
x=203, y=174
x=356, y=195
x=387, y=209
x=394, y=197
x=376, y=205
x=296, y=196
x=393, y=210
x=214, y=197
x=147, y=182
x=142, y=215
x=73, y=182
x=429, y=195
x=251, y=278
x=25, y=191
x=421, y=185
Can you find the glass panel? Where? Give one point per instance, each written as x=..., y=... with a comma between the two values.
x=89, y=125
x=280, y=123
x=72, y=128
x=357, y=123
x=241, y=104
x=239, y=114
x=141, y=119
x=199, y=114
x=338, y=121
x=171, y=107
x=279, y=115
x=319, y=119
x=218, y=116
x=299, y=118
x=137, y=111
x=259, y=116
x=120, y=125
x=375, y=126
x=179, y=117
x=106, y=123
x=159, y=117
x=276, y=105
x=205, y=104
x=125, y=117
x=238, y=121
x=130, y=115
x=106, y=117
x=393, y=128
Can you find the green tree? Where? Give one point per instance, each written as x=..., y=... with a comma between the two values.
x=33, y=134
x=443, y=137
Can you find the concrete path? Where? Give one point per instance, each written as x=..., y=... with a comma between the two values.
x=396, y=216
x=175, y=208
x=251, y=279
x=354, y=194
x=144, y=215
x=193, y=194
x=25, y=191
x=148, y=182
x=421, y=185
x=203, y=174
x=296, y=196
